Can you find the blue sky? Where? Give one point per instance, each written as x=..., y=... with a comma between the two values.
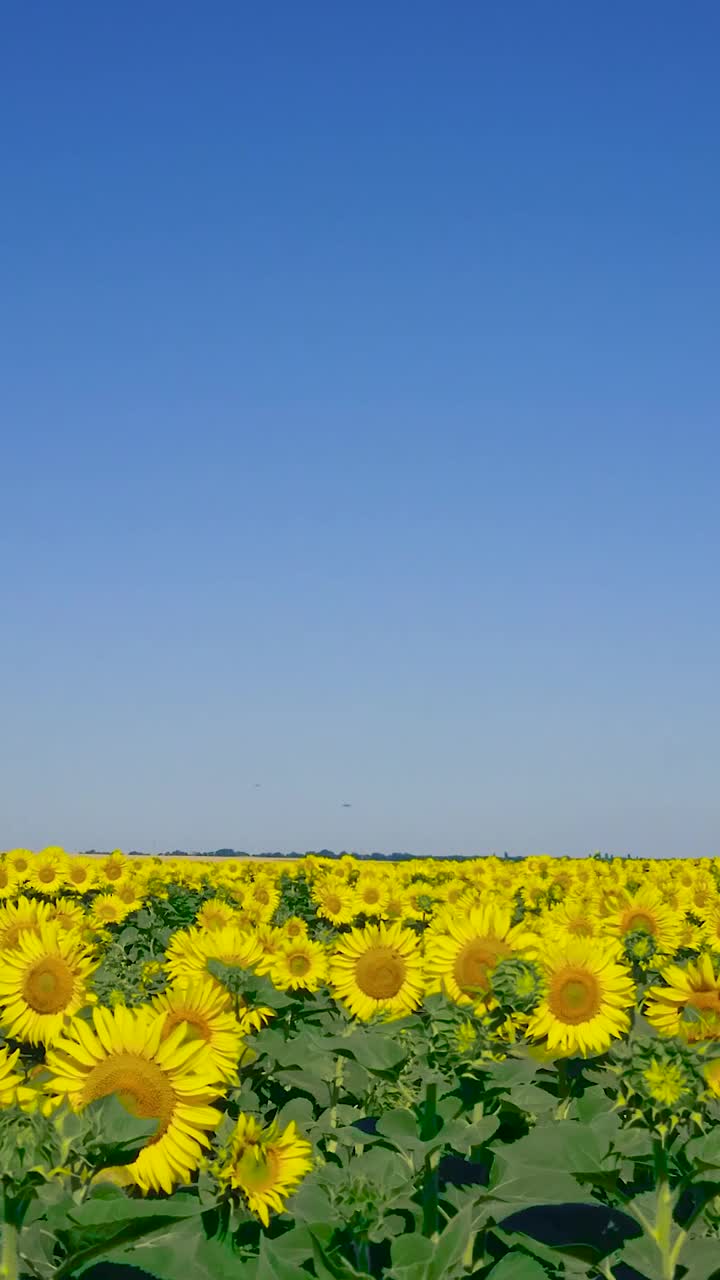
x=360, y=427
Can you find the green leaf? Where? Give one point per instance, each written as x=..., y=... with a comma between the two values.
x=454, y=1240
x=399, y=1125
x=333, y=1268
x=409, y=1249
x=178, y=1252
x=517, y=1266
x=115, y=1209
x=121, y=1134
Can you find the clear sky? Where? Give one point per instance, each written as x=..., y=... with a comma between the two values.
x=360, y=411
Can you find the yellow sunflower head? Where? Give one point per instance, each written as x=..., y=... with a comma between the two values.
x=587, y=997
x=171, y=1081
x=265, y=1164
x=43, y=982
x=377, y=970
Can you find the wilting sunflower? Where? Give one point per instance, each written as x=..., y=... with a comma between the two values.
x=106, y=909
x=460, y=959
x=24, y=915
x=688, y=1005
x=335, y=900
x=172, y=1081
x=206, y=1014
x=215, y=914
x=190, y=950
x=43, y=981
x=265, y=1165
x=587, y=997
x=377, y=970
x=299, y=963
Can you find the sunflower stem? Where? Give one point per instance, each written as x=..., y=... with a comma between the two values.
x=9, y=1256
x=428, y=1127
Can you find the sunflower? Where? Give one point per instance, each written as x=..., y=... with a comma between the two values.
x=262, y=898
x=9, y=880
x=371, y=895
x=106, y=909
x=81, y=874
x=19, y=860
x=377, y=970
x=265, y=1164
x=215, y=914
x=113, y=868
x=588, y=994
x=335, y=900
x=578, y=917
x=461, y=958
x=21, y=916
x=299, y=963
x=10, y=1079
x=190, y=950
x=646, y=912
x=130, y=892
x=205, y=1013
x=43, y=981
x=47, y=872
x=293, y=927
x=172, y=1081
x=67, y=913
x=688, y=1005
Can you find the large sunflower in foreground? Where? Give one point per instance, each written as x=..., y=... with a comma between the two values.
x=205, y=1013
x=9, y=880
x=43, y=981
x=265, y=1164
x=170, y=1080
x=377, y=969
x=586, y=1000
x=461, y=958
x=688, y=1005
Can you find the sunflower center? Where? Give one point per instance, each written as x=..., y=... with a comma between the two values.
x=370, y=894
x=380, y=973
x=48, y=985
x=640, y=920
x=256, y=1170
x=574, y=996
x=141, y=1086
x=113, y=872
x=262, y=896
x=705, y=1000
x=46, y=874
x=196, y=1028
x=298, y=964
x=475, y=959
x=333, y=903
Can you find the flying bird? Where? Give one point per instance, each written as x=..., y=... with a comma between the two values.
x=345, y=805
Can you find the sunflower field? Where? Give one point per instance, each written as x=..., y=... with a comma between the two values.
x=342, y=1069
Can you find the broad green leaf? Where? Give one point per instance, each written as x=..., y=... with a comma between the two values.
x=178, y=1252
x=517, y=1266
x=409, y=1249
